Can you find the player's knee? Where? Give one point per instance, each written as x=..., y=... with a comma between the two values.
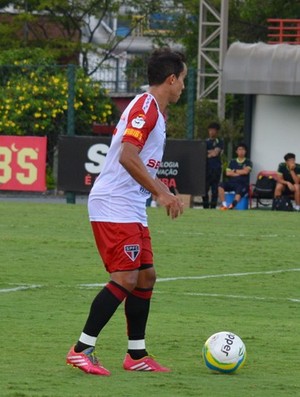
x=147, y=278
x=127, y=280
x=151, y=279
x=131, y=283
x=278, y=189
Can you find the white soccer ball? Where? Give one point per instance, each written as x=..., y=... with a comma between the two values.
x=224, y=352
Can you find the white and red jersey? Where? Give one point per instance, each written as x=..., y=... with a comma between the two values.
x=116, y=196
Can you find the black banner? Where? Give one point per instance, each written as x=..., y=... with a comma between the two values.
x=80, y=160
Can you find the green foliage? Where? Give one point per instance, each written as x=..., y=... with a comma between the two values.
x=248, y=18
x=58, y=25
x=50, y=181
x=34, y=100
x=26, y=34
x=36, y=56
x=177, y=121
x=206, y=112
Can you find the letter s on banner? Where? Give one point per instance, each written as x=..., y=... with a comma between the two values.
x=96, y=154
x=30, y=173
x=23, y=163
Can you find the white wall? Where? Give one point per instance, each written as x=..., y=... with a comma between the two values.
x=275, y=131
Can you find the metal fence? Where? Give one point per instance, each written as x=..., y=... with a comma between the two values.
x=119, y=77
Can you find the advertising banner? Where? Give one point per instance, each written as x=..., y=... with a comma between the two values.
x=23, y=163
x=80, y=160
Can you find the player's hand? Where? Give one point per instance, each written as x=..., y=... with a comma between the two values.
x=291, y=164
x=173, y=204
x=175, y=211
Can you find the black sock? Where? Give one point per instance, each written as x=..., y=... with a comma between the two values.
x=79, y=347
x=137, y=306
x=137, y=354
x=234, y=203
x=103, y=307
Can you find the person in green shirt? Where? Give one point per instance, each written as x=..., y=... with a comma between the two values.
x=288, y=182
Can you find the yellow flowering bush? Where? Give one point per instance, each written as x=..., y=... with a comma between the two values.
x=34, y=101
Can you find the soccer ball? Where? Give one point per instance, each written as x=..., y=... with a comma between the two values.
x=224, y=352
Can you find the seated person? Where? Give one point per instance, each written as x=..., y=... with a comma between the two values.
x=238, y=174
x=288, y=182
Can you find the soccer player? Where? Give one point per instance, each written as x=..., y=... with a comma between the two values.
x=238, y=173
x=288, y=182
x=117, y=212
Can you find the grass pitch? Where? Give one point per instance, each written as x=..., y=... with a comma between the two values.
x=235, y=271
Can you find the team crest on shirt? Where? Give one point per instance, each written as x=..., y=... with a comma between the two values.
x=138, y=122
x=132, y=251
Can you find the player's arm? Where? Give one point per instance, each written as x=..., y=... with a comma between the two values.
x=292, y=168
x=294, y=176
x=280, y=179
x=130, y=160
x=244, y=171
x=214, y=152
x=231, y=171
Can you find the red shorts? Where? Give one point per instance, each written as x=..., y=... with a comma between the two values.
x=123, y=246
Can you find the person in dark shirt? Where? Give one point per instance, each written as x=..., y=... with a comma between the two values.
x=214, y=147
x=238, y=173
x=288, y=182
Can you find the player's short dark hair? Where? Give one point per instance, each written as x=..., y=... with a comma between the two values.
x=243, y=145
x=214, y=125
x=289, y=156
x=162, y=63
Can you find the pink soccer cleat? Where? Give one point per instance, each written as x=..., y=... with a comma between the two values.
x=86, y=361
x=143, y=364
x=223, y=208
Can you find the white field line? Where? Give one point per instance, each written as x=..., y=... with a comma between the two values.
x=227, y=275
x=234, y=235
x=204, y=277
x=167, y=279
x=22, y=287
x=245, y=297
x=208, y=276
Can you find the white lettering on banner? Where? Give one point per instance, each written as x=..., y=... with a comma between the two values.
x=5, y=164
x=168, y=168
x=96, y=154
x=170, y=164
x=30, y=174
x=168, y=172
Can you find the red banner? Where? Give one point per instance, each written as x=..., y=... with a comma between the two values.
x=23, y=163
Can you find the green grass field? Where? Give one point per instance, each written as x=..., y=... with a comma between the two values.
x=217, y=270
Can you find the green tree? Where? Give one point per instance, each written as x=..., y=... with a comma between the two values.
x=34, y=100
x=247, y=23
x=248, y=18
x=76, y=26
